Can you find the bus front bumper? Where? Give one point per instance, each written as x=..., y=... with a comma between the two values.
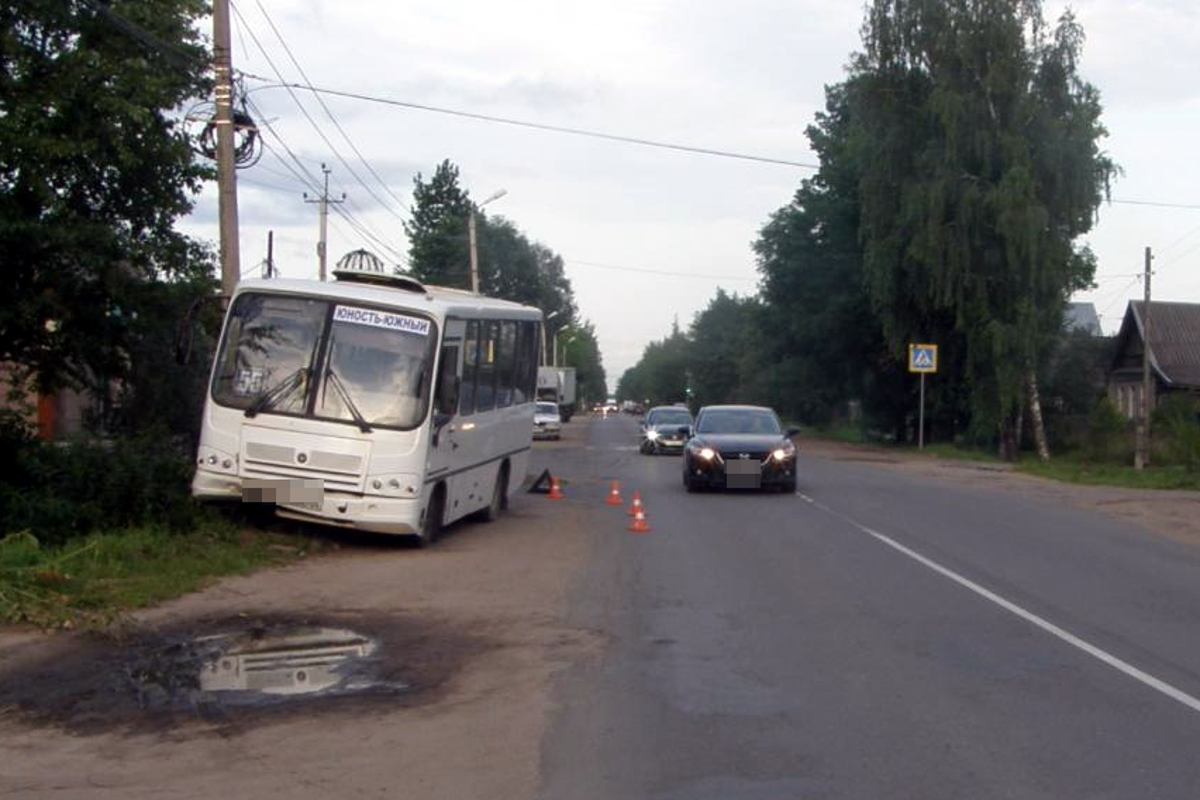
x=371, y=513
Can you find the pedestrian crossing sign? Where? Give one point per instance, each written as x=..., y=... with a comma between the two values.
x=922, y=358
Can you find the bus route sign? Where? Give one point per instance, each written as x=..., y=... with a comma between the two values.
x=922, y=358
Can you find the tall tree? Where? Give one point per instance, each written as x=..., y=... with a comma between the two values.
x=582, y=351
x=94, y=171
x=438, y=251
x=718, y=348
x=823, y=344
x=980, y=166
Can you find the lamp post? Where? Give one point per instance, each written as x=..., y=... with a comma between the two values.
x=549, y=317
x=471, y=237
x=564, y=352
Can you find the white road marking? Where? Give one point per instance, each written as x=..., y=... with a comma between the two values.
x=1142, y=676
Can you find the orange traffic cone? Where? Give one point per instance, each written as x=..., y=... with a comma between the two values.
x=614, y=496
x=639, y=522
x=636, y=505
x=555, y=490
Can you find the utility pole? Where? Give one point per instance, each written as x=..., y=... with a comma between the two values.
x=269, y=266
x=226, y=171
x=324, y=201
x=1141, y=457
x=472, y=241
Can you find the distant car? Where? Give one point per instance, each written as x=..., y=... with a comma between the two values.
x=547, y=424
x=739, y=447
x=665, y=429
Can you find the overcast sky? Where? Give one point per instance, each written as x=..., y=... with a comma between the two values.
x=743, y=77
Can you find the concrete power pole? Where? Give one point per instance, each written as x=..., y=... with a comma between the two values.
x=226, y=170
x=324, y=200
x=1141, y=456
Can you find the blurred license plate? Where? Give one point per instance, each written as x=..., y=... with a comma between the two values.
x=307, y=493
x=743, y=474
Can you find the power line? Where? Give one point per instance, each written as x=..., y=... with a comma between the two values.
x=307, y=179
x=308, y=116
x=325, y=107
x=190, y=61
x=541, y=126
x=1175, y=243
x=652, y=271
x=1157, y=204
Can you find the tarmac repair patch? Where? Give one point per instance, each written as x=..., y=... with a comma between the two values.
x=232, y=673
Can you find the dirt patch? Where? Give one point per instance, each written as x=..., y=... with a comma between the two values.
x=143, y=681
x=1170, y=513
x=472, y=627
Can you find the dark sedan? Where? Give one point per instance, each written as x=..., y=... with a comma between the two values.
x=739, y=447
x=665, y=430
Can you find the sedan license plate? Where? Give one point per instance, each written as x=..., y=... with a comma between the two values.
x=743, y=474
x=306, y=493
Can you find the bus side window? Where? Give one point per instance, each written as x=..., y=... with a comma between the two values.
x=466, y=397
x=506, y=357
x=448, y=383
x=485, y=384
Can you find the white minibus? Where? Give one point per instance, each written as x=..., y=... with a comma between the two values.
x=371, y=402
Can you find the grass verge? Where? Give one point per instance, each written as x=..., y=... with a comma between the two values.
x=1073, y=470
x=91, y=581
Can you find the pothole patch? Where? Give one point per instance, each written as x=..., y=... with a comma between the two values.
x=236, y=671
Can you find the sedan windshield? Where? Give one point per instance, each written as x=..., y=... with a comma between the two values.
x=373, y=365
x=671, y=417
x=739, y=420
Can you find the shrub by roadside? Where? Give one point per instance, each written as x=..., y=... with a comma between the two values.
x=62, y=491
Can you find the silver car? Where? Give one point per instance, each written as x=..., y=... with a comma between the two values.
x=547, y=424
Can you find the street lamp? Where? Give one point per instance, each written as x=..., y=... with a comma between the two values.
x=471, y=236
x=549, y=317
x=574, y=336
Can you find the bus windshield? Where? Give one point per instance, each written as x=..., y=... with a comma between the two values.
x=374, y=364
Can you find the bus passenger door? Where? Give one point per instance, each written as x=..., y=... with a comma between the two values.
x=445, y=451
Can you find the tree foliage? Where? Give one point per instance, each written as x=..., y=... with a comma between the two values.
x=94, y=171
x=511, y=266
x=960, y=162
x=438, y=251
x=977, y=145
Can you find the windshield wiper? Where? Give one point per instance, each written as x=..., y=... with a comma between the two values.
x=332, y=378
x=284, y=388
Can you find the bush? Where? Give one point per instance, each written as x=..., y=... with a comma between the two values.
x=62, y=491
x=1108, y=437
x=1177, y=431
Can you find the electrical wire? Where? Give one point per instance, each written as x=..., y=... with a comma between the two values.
x=189, y=61
x=537, y=125
x=652, y=271
x=325, y=107
x=308, y=116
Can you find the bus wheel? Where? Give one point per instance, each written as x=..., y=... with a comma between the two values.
x=499, y=496
x=431, y=526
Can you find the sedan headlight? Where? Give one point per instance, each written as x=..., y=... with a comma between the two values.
x=707, y=453
x=652, y=435
x=785, y=452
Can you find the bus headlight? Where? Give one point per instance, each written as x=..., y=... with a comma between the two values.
x=393, y=485
x=216, y=461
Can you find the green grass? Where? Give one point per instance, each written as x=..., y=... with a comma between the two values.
x=953, y=452
x=1075, y=470
x=92, y=580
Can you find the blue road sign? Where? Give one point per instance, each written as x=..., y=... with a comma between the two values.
x=922, y=358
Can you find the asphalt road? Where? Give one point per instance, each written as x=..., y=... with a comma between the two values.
x=873, y=636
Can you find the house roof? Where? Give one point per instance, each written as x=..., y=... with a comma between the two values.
x=1082, y=317
x=1174, y=339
